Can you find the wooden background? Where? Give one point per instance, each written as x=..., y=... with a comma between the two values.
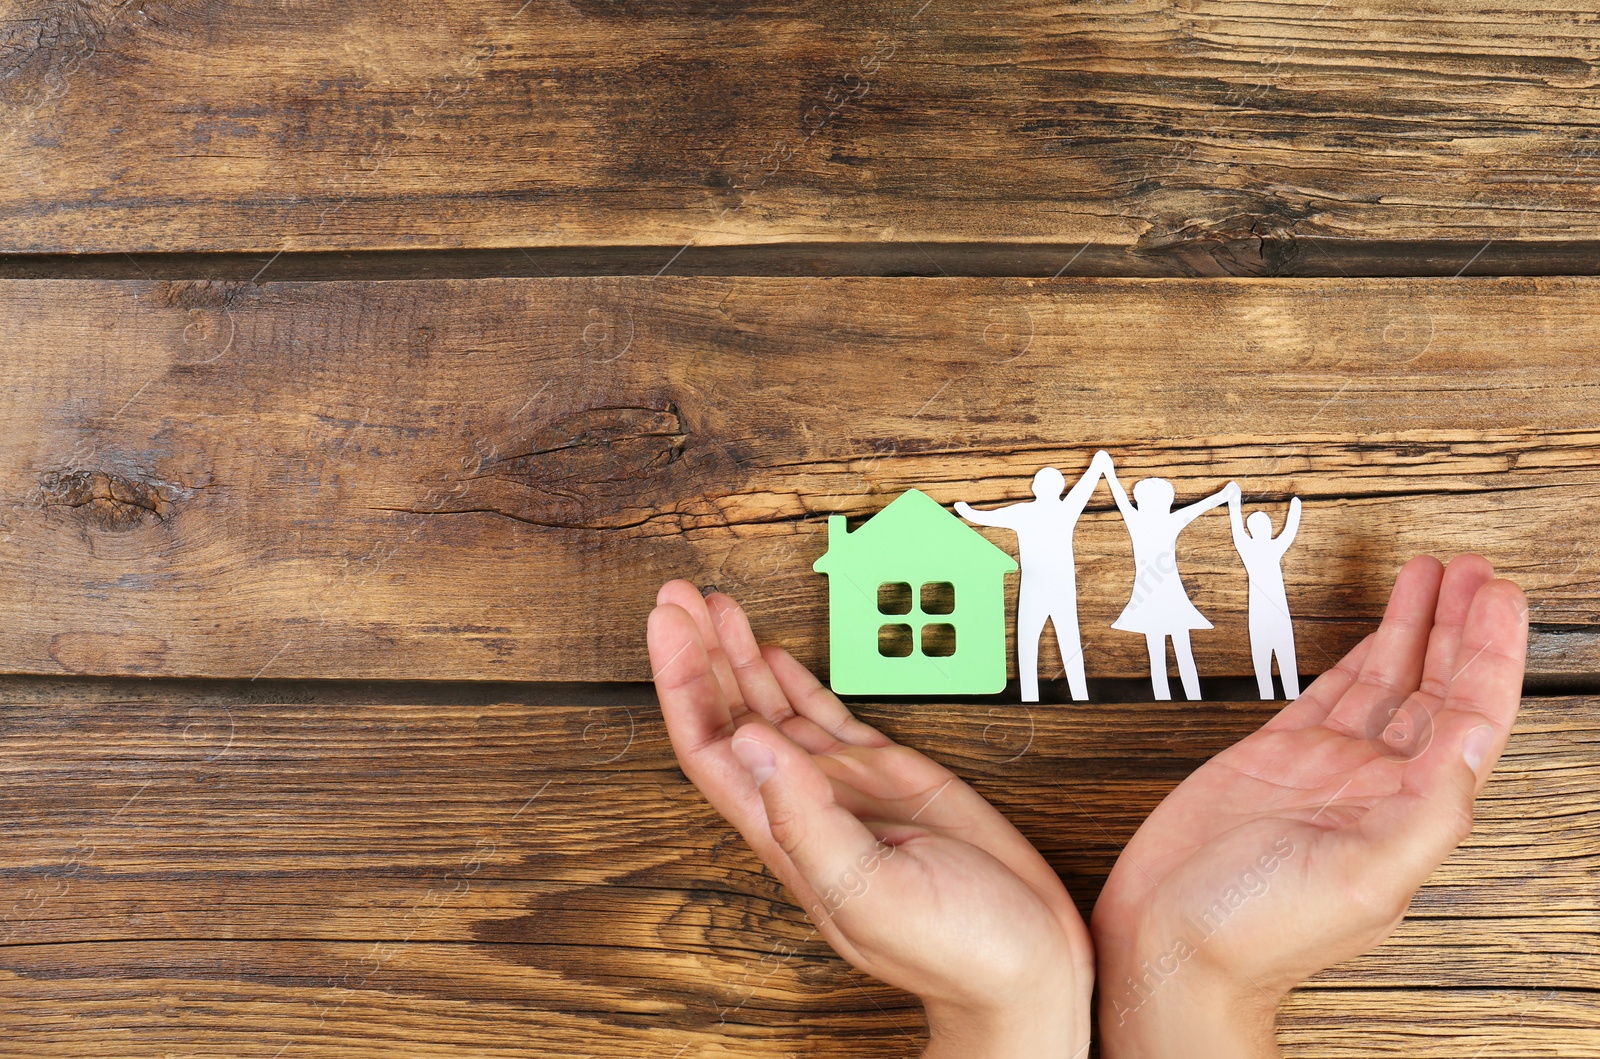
x=368, y=366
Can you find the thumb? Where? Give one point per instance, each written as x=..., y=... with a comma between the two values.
x=1414, y=830
x=830, y=848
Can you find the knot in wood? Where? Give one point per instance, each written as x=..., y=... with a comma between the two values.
x=107, y=501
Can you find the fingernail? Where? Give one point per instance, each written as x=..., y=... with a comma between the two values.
x=1476, y=746
x=756, y=757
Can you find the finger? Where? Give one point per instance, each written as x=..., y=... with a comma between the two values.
x=1487, y=682
x=1462, y=579
x=692, y=700
x=757, y=686
x=1411, y=725
x=1415, y=829
x=820, y=838
x=1393, y=666
x=1317, y=701
x=683, y=594
x=699, y=723
x=811, y=700
x=700, y=728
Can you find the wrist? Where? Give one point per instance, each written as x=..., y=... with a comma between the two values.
x=1147, y=1013
x=1052, y=1023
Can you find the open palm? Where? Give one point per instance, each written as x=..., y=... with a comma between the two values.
x=1301, y=845
x=905, y=870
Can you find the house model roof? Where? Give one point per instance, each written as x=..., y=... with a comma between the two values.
x=914, y=531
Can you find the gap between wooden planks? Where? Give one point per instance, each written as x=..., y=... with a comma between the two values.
x=1292, y=256
x=489, y=479
x=408, y=870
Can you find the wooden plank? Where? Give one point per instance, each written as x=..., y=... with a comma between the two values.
x=469, y=1001
x=1229, y=136
x=505, y=870
x=1419, y=1023
x=490, y=479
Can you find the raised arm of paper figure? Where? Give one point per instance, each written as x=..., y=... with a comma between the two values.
x=1199, y=507
x=1078, y=496
x=1291, y=526
x=1119, y=494
x=1236, y=517
x=997, y=517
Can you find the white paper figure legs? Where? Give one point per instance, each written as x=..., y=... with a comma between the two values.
x=1033, y=611
x=1271, y=628
x=1266, y=640
x=1156, y=643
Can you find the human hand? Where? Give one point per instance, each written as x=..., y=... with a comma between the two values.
x=1302, y=845
x=1102, y=462
x=905, y=870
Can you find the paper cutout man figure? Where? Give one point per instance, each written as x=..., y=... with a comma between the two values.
x=1159, y=606
x=1271, y=629
x=1049, y=588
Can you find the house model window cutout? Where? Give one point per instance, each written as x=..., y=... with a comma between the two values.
x=916, y=603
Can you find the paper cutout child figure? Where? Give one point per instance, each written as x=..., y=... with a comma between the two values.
x=1271, y=629
x=1159, y=606
x=1049, y=588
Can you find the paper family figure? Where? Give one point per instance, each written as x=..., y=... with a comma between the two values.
x=1271, y=629
x=916, y=599
x=1159, y=605
x=1049, y=589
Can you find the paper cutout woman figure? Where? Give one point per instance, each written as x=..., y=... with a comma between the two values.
x=1049, y=589
x=1271, y=629
x=1159, y=606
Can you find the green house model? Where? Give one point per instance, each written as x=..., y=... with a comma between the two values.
x=916, y=603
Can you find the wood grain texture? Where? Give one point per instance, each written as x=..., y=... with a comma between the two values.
x=361, y=870
x=1207, y=137
x=490, y=479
